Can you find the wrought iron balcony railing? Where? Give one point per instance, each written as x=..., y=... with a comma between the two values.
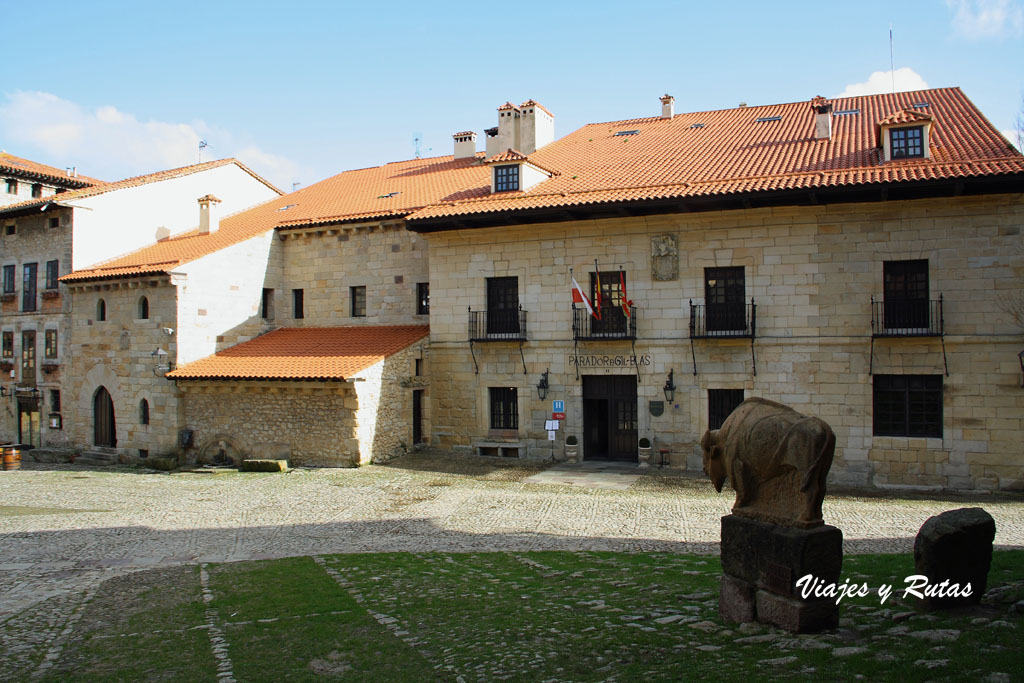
x=500, y=325
x=906, y=317
x=613, y=323
x=726, y=321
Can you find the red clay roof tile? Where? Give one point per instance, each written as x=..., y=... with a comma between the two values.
x=304, y=353
x=13, y=164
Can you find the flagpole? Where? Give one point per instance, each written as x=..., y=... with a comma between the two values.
x=575, y=344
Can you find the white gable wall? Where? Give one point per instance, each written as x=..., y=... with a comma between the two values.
x=119, y=222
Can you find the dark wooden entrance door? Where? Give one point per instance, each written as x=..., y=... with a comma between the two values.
x=417, y=416
x=28, y=422
x=104, y=430
x=609, y=417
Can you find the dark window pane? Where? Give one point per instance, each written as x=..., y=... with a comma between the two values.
x=724, y=289
x=504, y=408
x=908, y=405
x=358, y=301
x=52, y=268
x=298, y=310
x=423, y=298
x=502, y=305
x=721, y=403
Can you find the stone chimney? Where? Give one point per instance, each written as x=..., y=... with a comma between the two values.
x=208, y=219
x=668, y=106
x=822, y=118
x=465, y=144
x=536, y=127
x=508, y=127
x=491, y=142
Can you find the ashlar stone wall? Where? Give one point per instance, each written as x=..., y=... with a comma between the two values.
x=118, y=353
x=812, y=272
x=327, y=262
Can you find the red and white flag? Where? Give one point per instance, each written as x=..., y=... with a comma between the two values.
x=579, y=297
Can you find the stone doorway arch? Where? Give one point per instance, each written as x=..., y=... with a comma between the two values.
x=104, y=424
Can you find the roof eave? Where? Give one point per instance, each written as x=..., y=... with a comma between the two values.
x=866, y=192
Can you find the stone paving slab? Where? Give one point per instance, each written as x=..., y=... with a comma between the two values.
x=611, y=476
x=64, y=528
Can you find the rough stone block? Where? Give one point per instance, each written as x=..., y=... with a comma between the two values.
x=797, y=616
x=955, y=546
x=774, y=557
x=254, y=465
x=736, y=600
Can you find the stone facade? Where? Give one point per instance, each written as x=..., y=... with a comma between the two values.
x=327, y=262
x=327, y=424
x=812, y=272
x=118, y=354
x=25, y=240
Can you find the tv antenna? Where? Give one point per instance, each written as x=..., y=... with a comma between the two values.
x=295, y=186
x=202, y=145
x=417, y=142
x=892, y=63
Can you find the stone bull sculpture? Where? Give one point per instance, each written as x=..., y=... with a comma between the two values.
x=775, y=458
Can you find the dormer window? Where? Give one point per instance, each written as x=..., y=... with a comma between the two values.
x=506, y=178
x=907, y=143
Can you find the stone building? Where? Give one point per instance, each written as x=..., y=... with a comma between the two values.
x=297, y=328
x=45, y=238
x=859, y=259
x=22, y=179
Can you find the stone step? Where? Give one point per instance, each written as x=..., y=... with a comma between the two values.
x=98, y=457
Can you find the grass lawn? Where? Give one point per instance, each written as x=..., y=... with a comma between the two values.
x=579, y=616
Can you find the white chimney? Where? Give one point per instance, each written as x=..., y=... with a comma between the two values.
x=822, y=118
x=465, y=144
x=208, y=220
x=508, y=127
x=536, y=126
x=668, y=106
x=491, y=141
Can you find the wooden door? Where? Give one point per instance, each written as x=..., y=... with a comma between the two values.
x=105, y=430
x=609, y=417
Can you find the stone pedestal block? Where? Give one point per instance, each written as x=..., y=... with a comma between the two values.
x=761, y=563
x=793, y=614
x=773, y=557
x=955, y=546
x=736, y=600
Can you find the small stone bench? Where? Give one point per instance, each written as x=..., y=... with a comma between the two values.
x=501, y=449
x=263, y=465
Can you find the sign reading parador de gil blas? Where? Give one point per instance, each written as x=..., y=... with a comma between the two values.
x=609, y=361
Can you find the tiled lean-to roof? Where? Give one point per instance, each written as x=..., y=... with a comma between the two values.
x=746, y=150
x=304, y=353
x=377, y=193
x=33, y=169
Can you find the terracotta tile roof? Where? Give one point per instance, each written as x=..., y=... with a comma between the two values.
x=12, y=164
x=508, y=155
x=506, y=106
x=102, y=188
x=304, y=353
x=905, y=116
x=463, y=134
x=538, y=105
x=733, y=153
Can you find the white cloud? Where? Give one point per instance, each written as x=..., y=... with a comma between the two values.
x=880, y=82
x=986, y=19
x=111, y=144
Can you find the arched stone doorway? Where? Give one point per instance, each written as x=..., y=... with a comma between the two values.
x=104, y=427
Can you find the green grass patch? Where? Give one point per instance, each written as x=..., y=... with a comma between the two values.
x=525, y=616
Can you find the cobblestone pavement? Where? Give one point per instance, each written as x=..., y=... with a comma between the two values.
x=65, y=529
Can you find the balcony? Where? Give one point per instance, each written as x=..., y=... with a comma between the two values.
x=613, y=324
x=906, y=318
x=723, y=321
x=499, y=325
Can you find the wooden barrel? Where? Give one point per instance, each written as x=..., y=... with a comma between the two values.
x=11, y=457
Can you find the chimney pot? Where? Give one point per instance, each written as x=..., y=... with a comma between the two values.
x=465, y=144
x=668, y=106
x=208, y=221
x=822, y=118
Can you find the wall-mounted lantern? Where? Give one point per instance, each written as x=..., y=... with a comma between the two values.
x=542, y=385
x=670, y=386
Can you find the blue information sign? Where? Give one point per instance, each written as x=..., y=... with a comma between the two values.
x=558, y=406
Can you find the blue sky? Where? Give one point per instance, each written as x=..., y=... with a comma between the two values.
x=303, y=90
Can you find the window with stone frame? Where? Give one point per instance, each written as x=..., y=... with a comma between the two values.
x=422, y=298
x=9, y=279
x=357, y=297
x=267, y=304
x=504, y=408
x=143, y=412
x=724, y=290
x=52, y=272
x=37, y=190
x=12, y=186
x=721, y=403
x=906, y=143
x=907, y=405
x=50, y=344
x=8, y=345
x=28, y=286
x=54, y=400
x=298, y=310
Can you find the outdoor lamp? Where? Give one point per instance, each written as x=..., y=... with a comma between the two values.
x=670, y=386
x=542, y=385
